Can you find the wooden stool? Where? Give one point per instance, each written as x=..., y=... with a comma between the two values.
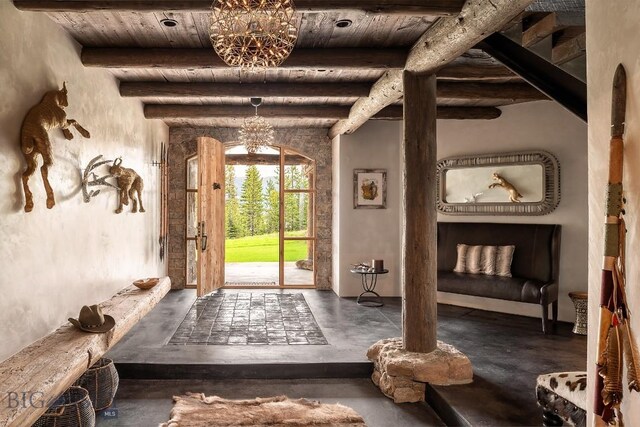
x=581, y=303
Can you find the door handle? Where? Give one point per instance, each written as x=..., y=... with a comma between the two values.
x=203, y=237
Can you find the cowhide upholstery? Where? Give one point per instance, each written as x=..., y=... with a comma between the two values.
x=563, y=395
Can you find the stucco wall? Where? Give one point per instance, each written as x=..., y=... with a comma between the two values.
x=542, y=125
x=365, y=234
x=612, y=38
x=312, y=142
x=54, y=261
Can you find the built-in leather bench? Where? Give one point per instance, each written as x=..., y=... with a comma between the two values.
x=534, y=268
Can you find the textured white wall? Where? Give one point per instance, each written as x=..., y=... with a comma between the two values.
x=542, y=125
x=364, y=234
x=55, y=261
x=612, y=38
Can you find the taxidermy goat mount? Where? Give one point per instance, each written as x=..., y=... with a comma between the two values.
x=47, y=115
x=129, y=183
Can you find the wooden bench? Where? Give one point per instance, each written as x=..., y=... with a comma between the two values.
x=38, y=374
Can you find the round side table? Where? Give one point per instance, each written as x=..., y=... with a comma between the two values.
x=580, y=301
x=369, y=282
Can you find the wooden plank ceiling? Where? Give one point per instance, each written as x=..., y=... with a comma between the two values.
x=180, y=79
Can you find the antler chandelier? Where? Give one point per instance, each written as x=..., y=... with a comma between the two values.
x=253, y=33
x=256, y=132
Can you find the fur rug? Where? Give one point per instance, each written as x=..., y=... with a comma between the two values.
x=197, y=410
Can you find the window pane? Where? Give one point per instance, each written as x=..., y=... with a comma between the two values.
x=298, y=262
x=192, y=262
x=298, y=172
x=192, y=214
x=298, y=214
x=192, y=173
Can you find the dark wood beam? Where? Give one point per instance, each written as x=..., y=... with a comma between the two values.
x=569, y=50
x=465, y=90
x=168, y=58
x=549, y=24
x=396, y=112
x=243, y=90
x=553, y=81
x=474, y=71
x=444, y=41
x=264, y=159
x=173, y=111
x=419, y=158
x=327, y=58
x=395, y=7
x=292, y=112
x=448, y=90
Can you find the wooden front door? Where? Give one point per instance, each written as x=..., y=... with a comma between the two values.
x=211, y=227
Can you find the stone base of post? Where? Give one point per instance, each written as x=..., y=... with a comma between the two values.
x=401, y=375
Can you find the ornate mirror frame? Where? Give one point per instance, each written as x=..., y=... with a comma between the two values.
x=550, y=191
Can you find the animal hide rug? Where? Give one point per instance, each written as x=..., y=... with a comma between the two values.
x=198, y=410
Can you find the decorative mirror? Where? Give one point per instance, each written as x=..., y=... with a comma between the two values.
x=524, y=183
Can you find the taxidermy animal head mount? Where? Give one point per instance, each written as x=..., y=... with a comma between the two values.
x=130, y=186
x=514, y=194
x=47, y=115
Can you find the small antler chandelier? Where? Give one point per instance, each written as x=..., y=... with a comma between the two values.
x=256, y=132
x=253, y=33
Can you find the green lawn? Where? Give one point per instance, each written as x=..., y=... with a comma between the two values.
x=264, y=248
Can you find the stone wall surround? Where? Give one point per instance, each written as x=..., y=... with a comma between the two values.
x=311, y=142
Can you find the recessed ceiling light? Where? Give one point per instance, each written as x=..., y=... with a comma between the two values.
x=343, y=23
x=168, y=22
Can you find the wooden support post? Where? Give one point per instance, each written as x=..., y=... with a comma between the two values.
x=419, y=300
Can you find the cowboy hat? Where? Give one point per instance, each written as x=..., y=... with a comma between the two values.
x=91, y=319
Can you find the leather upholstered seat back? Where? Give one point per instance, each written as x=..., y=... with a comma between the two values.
x=537, y=245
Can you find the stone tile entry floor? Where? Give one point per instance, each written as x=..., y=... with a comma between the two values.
x=249, y=319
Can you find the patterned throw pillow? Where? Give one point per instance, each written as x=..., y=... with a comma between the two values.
x=489, y=260
x=504, y=259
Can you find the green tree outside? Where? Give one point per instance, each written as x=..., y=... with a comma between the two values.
x=251, y=202
x=233, y=222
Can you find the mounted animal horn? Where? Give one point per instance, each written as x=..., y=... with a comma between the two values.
x=64, y=87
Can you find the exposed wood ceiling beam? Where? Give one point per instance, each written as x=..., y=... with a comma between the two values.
x=394, y=112
x=395, y=7
x=448, y=90
x=444, y=41
x=569, y=50
x=242, y=90
x=326, y=58
x=559, y=85
x=551, y=23
x=264, y=159
x=336, y=58
x=474, y=71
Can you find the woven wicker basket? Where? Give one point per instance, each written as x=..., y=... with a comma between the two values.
x=72, y=409
x=101, y=381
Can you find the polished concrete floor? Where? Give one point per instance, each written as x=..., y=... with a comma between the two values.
x=507, y=353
